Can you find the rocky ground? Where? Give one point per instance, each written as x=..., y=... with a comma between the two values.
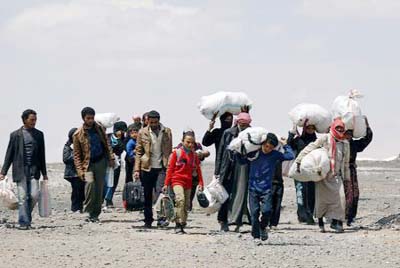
x=65, y=240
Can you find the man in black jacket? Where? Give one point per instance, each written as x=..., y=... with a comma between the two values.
x=214, y=135
x=351, y=188
x=26, y=153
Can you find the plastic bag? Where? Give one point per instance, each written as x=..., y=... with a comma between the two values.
x=314, y=167
x=109, y=177
x=165, y=207
x=223, y=102
x=106, y=120
x=216, y=195
x=7, y=194
x=249, y=140
x=313, y=114
x=286, y=165
x=348, y=109
x=44, y=200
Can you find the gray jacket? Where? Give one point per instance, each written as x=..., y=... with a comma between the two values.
x=15, y=155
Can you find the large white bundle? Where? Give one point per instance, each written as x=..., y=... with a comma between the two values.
x=348, y=109
x=216, y=195
x=314, y=115
x=314, y=167
x=7, y=194
x=44, y=200
x=107, y=120
x=222, y=102
x=250, y=138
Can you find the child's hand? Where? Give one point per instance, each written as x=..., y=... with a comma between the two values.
x=298, y=168
x=164, y=189
x=201, y=188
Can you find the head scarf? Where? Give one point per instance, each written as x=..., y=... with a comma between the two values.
x=244, y=118
x=226, y=124
x=335, y=136
x=70, y=135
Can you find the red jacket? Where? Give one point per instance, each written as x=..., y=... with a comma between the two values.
x=180, y=171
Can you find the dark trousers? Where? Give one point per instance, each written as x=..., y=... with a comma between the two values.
x=129, y=165
x=277, y=196
x=305, y=192
x=352, y=193
x=117, y=174
x=259, y=203
x=224, y=210
x=195, y=183
x=149, y=182
x=78, y=193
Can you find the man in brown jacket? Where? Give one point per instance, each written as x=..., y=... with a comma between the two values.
x=153, y=148
x=92, y=155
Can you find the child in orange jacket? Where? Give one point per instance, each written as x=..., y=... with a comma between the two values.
x=181, y=165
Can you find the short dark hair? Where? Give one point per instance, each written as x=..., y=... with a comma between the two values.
x=153, y=114
x=144, y=116
x=272, y=139
x=25, y=115
x=87, y=111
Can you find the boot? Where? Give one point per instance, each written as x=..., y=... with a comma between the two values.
x=321, y=225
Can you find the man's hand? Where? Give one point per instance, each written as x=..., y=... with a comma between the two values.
x=298, y=167
x=245, y=109
x=136, y=175
x=294, y=129
x=201, y=188
x=212, y=122
x=45, y=178
x=2, y=177
x=284, y=141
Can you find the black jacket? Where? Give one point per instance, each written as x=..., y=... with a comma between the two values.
x=68, y=159
x=15, y=155
x=298, y=143
x=213, y=137
x=357, y=146
x=225, y=158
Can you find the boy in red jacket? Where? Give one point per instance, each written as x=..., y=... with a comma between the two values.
x=182, y=163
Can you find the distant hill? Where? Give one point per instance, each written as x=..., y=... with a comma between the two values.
x=392, y=162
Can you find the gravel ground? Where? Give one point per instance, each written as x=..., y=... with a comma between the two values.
x=65, y=240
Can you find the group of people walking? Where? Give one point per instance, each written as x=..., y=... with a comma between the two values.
x=253, y=181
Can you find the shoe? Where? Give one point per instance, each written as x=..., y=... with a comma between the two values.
x=179, y=229
x=337, y=226
x=263, y=234
x=24, y=227
x=109, y=204
x=92, y=219
x=310, y=221
x=350, y=222
x=237, y=229
x=147, y=225
x=321, y=225
x=162, y=223
x=224, y=227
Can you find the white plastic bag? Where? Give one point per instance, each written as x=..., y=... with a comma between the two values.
x=216, y=195
x=348, y=109
x=106, y=120
x=314, y=115
x=223, y=102
x=250, y=138
x=7, y=194
x=44, y=200
x=286, y=165
x=109, y=178
x=314, y=167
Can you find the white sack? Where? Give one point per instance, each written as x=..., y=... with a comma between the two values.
x=316, y=161
x=314, y=114
x=251, y=138
x=107, y=120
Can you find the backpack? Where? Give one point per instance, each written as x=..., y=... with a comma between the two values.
x=133, y=196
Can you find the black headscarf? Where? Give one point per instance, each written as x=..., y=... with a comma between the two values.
x=224, y=124
x=70, y=135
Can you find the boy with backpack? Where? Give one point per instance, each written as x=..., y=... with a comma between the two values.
x=182, y=163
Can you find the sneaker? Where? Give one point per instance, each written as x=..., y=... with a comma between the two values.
x=224, y=227
x=310, y=221
x=263, y=234
x=322, y=229
x=162, y=223
x=24, y=227
x=179, y=229
x=337, y=226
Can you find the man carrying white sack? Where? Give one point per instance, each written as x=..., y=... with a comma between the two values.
x=234, y=176
x=328, y=201
x=351, y=188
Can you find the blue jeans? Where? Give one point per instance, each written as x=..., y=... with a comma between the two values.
x=260, y=203
x=28, y=196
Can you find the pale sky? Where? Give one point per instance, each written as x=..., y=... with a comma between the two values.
x=128, y=57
